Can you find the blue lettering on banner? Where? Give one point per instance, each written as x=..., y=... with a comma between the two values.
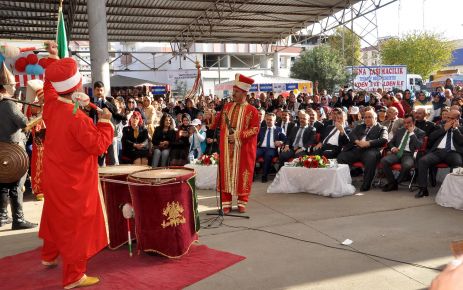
x=158, y=90
x=265, y=87
x=291, y=87
x=254, y=88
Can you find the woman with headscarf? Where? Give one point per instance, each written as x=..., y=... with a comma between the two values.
x=135, y=145
x=407, y=102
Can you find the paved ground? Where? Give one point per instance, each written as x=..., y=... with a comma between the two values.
x=393, y=225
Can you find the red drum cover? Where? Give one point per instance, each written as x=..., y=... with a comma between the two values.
x=115, y=196
x=165, y=208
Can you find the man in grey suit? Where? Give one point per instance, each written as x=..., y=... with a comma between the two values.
x=392, y=123
x=365, y=143
x=10, y=132
x=402, y=147
x=447, y=146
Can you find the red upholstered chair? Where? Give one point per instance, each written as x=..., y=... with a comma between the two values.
x=377, y=178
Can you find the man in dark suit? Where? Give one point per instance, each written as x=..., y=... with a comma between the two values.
x=403, y=145
x=270, y=138
x=365, y=143
x=313, y=120
x=333, y=137
x=422, y=123
x=285, y=123
x=299, y=141
x=447, y=146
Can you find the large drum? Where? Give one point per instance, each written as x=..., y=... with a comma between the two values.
x=115, y=196
x=166, y=210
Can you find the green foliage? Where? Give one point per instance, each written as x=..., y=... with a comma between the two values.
x=322, y=64
x=350, y=50
x=421, y=52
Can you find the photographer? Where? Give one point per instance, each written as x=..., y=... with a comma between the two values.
x=197, y=140
x=181, y=145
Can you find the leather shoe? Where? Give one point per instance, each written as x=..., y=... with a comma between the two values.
x=423, y=192
x=226, y=210
x=391, y=187
x=264, y=179
x=241, y=209
x=23, y=225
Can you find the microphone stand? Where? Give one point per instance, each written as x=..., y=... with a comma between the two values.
x=220, y=214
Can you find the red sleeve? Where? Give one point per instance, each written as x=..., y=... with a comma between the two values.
x=49, y=92
x=400, y=109
x=253, y=129
x=215, y=121
x=95, y=139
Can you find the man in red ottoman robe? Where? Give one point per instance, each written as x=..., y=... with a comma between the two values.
x=72, y=224
x=239, y=126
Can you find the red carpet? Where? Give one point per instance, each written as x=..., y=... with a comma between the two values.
x=118, y=271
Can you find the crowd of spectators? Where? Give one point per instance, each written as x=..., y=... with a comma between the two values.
x=350, y=126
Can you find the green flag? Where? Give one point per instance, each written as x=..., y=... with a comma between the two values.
x=61, y=38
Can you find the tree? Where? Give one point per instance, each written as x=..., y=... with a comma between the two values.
x=421, y=52
x=350, y=50
x=322, y=64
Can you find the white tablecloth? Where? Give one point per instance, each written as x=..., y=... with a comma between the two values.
x=450, y=193
x=334, y=182
x=206, y=176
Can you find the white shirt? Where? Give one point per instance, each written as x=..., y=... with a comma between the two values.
x=444, y=141
x=272, y=143
x=334, y=140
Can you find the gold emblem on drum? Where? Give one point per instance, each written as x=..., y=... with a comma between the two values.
x=174, y=213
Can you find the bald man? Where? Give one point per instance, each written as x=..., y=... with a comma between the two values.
x=446, y=146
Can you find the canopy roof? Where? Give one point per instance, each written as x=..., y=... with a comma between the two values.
x=184, y=21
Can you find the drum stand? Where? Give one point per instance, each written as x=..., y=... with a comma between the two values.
x=218, y=193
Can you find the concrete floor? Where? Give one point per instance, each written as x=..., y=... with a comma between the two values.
x=393, y=225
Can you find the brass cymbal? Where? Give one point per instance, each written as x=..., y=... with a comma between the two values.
x=14, y=162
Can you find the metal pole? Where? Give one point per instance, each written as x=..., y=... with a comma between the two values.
x=98, y=36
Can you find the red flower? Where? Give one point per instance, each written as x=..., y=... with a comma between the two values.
x=314, y=163
x=306, y=163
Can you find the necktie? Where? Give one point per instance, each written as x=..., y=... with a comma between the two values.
x=403, y=144
x=330, y=135
x=390, y=126
x=284, y=127
x=448, y=142
x=298, y=137
x=367, y=130
x=268, y=137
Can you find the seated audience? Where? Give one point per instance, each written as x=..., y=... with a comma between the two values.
x=181, y=145
x=163, y=137
x=333, y=137
x=269, y=139
x=135, y=143
x=446, y=146
x=393, y=122
x=402, y=147
x=299, y=140
x=365, y=143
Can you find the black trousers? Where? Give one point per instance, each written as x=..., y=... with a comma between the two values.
x=369, y=157
x=267, y=154
x=453, y=159
x=328, y=150
x=406, y=161
x=11, y=191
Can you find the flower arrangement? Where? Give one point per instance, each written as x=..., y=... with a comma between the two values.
x=208, y=159
x=312, y=161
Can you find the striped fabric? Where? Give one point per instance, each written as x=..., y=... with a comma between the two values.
x=21, y=80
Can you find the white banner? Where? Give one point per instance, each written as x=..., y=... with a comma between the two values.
x=387, y=77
